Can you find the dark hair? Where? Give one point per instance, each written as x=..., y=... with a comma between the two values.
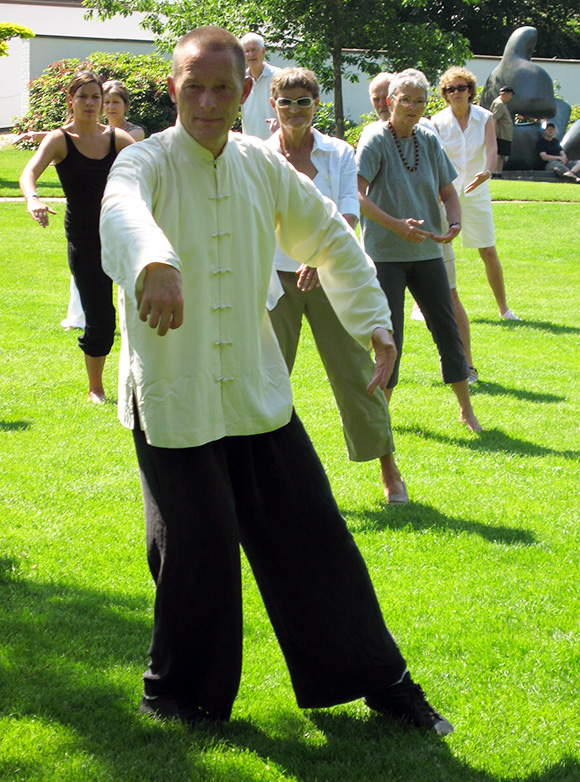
x=79, y=80
x=215, y=39
x=550, y=125
x=290, y=78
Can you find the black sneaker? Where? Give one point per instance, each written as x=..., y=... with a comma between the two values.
x=167, y=709
x=406, y=701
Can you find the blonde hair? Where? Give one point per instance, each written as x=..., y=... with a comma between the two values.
x=290, y=78
x=456, y=72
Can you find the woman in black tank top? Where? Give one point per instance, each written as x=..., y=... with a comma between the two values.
x=83, y=151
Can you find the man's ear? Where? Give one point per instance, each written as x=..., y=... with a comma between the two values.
x=246, y=89
x=171, y=89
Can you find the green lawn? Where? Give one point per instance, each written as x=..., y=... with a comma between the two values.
x=12, y=161
x=478, y=575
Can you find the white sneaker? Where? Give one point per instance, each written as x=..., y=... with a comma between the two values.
x=473, y=376
x=509, y=315
x=417, y=315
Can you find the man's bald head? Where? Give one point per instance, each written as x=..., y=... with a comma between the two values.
x=209, y=39
x=378, y=93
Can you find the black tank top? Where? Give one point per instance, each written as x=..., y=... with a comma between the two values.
x=83, y=181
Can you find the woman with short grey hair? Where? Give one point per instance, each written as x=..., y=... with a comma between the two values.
x=402, y=172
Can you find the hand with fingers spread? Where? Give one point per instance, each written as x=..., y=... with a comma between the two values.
x=161, y=300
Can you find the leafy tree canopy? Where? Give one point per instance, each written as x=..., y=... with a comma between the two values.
x=487, y=24
x=315, y=33
x=9, y=31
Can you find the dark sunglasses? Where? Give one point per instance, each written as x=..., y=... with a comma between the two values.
x=459, y=88
x=302, y=103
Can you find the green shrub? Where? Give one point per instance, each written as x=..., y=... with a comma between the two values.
x=574, y=115
x=324, y=120
x=145, y=77
x=353, y=134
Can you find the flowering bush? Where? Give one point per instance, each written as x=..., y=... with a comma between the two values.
x=144, y=76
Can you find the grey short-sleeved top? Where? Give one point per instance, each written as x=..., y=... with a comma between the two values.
x=401, y=193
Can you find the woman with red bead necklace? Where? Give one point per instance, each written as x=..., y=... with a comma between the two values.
x=402, y=171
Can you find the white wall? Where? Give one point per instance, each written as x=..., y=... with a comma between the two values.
x=61, y=31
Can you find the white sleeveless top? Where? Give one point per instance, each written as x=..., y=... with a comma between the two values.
x=466, y=149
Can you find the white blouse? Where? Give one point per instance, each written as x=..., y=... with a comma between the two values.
x=336, y=179
x=465, y=148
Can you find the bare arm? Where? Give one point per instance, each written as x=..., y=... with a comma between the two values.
x=51, y=149
x=408, y=229
x=123, y=139
x=490, y=156
x=450, y=200
x=31, y=135
x=561, y=157
x=137, y=133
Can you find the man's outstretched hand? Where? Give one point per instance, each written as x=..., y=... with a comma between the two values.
x=161, y=300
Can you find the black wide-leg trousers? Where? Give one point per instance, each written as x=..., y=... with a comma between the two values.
x=269, y=493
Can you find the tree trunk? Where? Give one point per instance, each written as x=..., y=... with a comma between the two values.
x=338, y=107
x=337, y=67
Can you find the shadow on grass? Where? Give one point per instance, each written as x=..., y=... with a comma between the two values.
x=64, y=703
x=65, y=654
x=8, y=568
x=368, y=750
x=10, y=184
x=492, y=441
x=14, y=426
x=495, y=389
x=538, y=325
x=419, y=517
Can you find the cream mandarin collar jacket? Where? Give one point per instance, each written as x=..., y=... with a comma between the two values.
x=217, y=221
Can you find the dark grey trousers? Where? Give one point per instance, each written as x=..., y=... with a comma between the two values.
x=429, y=284
x=270, y=494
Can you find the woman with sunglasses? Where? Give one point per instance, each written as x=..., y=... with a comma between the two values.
x=402, y=172
x=83, y=151
x=330, y=164
x=467, y=132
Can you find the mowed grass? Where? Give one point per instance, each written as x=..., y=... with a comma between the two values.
x=477, y=576
x=12, y=162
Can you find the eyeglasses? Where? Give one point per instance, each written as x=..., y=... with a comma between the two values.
x=302, y=103
x=407, y=102
x=459, y=88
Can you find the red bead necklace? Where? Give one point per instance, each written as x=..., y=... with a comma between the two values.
x=400, y=151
